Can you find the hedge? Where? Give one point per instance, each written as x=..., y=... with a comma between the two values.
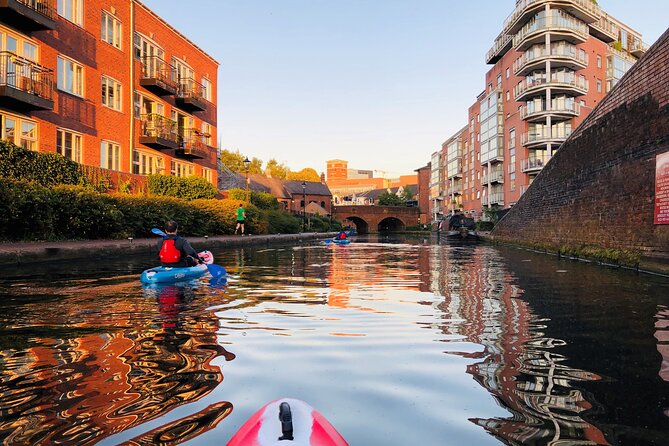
x=47, y=169
x=190, y=188
x=263, y=200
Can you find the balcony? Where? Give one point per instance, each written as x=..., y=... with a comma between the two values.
x=495, y=198
x=566, y=57
x=559, y=25
x=455, y=190
x=157, y=76
x=158, y=132
x=496, y=176
x=28, y=15
x=192, y=145
x=534, y=164
x=638, y=48
x=541, y=138
x=604, y=29
x=495, y=155
x=536, y=87
x=501, y=46
x=190, y=96
x=24, y=85
x=539, y=112
x=584, y=10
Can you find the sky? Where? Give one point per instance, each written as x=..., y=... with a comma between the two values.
x=380, y=83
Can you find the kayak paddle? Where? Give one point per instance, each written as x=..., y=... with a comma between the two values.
x=215, y=270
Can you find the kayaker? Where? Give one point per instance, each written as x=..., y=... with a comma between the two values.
x=341, y=235
x=174, y=250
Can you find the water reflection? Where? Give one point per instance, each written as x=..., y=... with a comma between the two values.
x=399, y=342
x=91, y=382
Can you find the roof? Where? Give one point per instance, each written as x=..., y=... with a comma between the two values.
x=374, y=194
x=312, y=188
x=272, y=185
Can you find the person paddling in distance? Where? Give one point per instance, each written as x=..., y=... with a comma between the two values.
x=241, y=218
x=175, y=251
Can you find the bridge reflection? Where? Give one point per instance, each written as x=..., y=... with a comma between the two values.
x=373, y=219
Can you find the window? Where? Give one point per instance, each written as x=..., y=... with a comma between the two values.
x=111, y=30
x=144, y=163
x=508, y=73
x=206, y=133
x=206, y=89
x=508, y=95
x=72, y=10
x=70, y=76
x=623, y=39
x=599, y=86
x=145, y=106
x=19, y=131
x=111, y=93
x=110, y=155
x=69, y=144
x=499, y=80
x=206, y=174
x=179, y=169
x=599, y=61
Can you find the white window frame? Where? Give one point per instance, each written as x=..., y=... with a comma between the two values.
x=112, y=93
x=110, y=155
x=207, y=174
x=207, y=86
x=76, y=150
x=146, y=163
x=70, y=70
x=181, y=169
x=111, y=23
x=19, y=136
x=72, y=10
x=206, y=133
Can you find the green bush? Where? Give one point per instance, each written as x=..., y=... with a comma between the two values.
x=281, y=222
x=47, y=169
x=191, y=188
x=262, y=200
x=485, y=225
x=225, y=214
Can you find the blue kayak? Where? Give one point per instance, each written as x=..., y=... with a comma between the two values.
x=337, y=241
x=166, y=274
x=163, y=274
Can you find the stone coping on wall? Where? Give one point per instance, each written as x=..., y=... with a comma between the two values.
x=34, y=252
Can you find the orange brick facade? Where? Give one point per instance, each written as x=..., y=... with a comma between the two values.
x=551, y=66
x=112, y=129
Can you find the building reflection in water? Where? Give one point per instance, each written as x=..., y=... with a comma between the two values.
x=96, y=381
x=662, y=336
x=517, y=364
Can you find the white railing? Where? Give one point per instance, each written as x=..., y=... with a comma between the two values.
x=568, y=52
x=534, y=163
x=573, y=108
x=587, y=5
x=501, y=42
x=557, y=135
x=554, y=21
x=526, y=85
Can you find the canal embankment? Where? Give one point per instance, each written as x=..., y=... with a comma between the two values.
x=33, y=252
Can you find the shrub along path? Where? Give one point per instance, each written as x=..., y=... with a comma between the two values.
x=31, y=252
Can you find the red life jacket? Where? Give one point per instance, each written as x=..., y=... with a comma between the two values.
x=169, y=253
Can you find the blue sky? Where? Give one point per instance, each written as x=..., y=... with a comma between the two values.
x=380, y=83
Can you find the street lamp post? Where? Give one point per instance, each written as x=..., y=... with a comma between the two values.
x=247, y=164
x=304, y=205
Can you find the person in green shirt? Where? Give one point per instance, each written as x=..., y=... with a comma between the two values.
x=241, y=217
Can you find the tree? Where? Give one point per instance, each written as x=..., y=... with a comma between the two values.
x=389, y=199
x=306, y=174
x=235, y=162
x=276, y=170
x=406, y=194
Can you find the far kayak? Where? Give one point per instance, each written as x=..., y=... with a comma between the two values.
x=166, y=274
x=287, y=422
x=337, y=241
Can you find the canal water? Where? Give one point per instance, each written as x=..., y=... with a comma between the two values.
x=396, y=341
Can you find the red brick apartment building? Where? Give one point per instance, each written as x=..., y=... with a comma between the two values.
x=107, y=84
x=552, y=63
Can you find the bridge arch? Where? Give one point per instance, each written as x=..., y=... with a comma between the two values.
x=377, y=218
x=361, y=226
x=391, y=224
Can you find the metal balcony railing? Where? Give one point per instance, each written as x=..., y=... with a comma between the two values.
x=561, y=108
x=534, y=163
x=502, y=42
x=545, y=136
x=154, y=125
x=496, y=176
x=577, y=85
x=158, y=74
x=193, y=144
x=587, y=6
x=568, y=52
x=554, y=21
x=25, y=75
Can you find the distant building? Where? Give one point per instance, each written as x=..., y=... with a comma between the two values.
x=552, y=63
x=346, y=189
x=291, y=195
x=107, y=84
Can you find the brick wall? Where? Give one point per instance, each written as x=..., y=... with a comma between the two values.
x=599, y=189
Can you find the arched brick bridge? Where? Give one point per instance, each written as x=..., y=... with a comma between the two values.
x=371, y=219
